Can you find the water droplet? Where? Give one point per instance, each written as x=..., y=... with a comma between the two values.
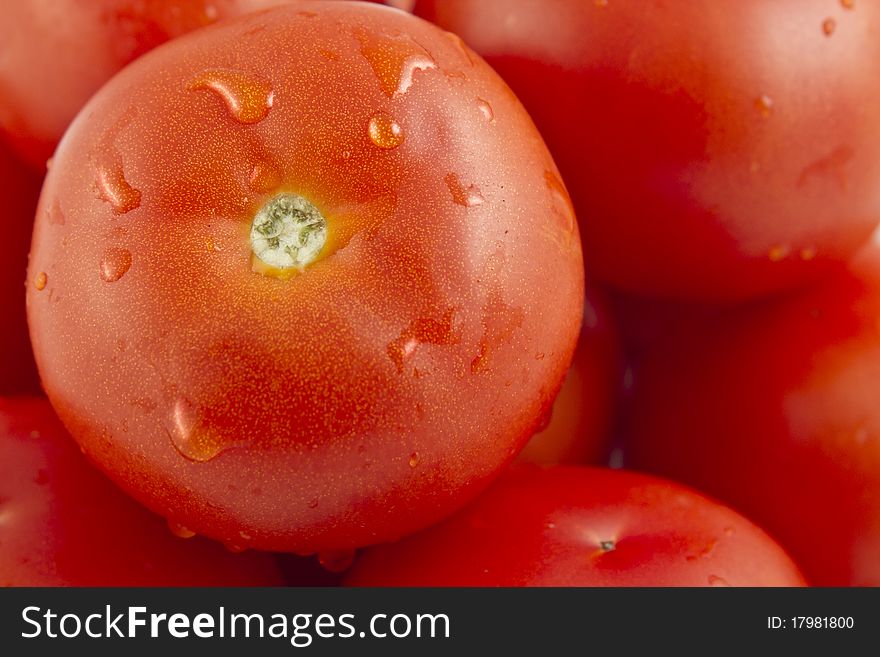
x=469, y=196
x=235, y=548
x=601, y=3
x=179, y=530
x=40, y=281
x=211, y=12
x=190, y=437
x=462, y=48
x=848, y=4
x=413, y=459
x=247, y=97
x=245, y=536
x=424, y=330
x=808, y=253
x=55, y=214
x=728, y=531
x=563, y=208
x=550, y=525
x=264, y=177
x=714, y=580
x=384, y=131
x=394, y=60
x=828, y=26
x=313, y=504
x=779, y=252
x=114, y=188
x=336, y=561
x=486, y=110
x=764, y=104
x=500, y=321
x=115, y=263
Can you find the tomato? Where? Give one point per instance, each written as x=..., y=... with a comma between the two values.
x=63, y=524
x=774, y=409
x=571, y=526
x=289, y=284
x=714, y=150
x=72, y=47
x=579, y=428
x=20, y=189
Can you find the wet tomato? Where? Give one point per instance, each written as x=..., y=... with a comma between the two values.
x=569, y=526
x=62, y=523
x=775, y=410
x=72, y=47
x=305, y=280
x=715, y=150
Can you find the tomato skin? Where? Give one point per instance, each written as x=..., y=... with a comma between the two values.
x=773, y=409
x=584, y=412
x=20, y=189
x=373, y=393
x=64, y=524
x=577, y=526
x=73, y=46
x=708, y=156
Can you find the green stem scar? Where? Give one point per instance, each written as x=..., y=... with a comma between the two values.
x=288, y=232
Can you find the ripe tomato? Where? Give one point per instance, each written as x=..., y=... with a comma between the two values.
x=20, y=189
x=714, y=150
x=569, y=526
x=579, y=428
x=63, y=524
x=290, y=283
x=774, y=409
x=72, y=47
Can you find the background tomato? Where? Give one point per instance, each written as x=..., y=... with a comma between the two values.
x=775, y=410
x=57, y=54
x=63, y=524
x=568, y=526
x=714, y=150
x=579, y=430
x=20, y=189
x=387, y=382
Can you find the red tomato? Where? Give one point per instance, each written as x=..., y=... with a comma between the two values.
x=63, y=524
x=579, y=429
x=57, y=54
x=569, y=526
x=19, y=189
x=294, y=274
x=775, y=410
x=714, y=150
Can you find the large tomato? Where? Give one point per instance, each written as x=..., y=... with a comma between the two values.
x=304, y=280
x=20, y=189
x=63, y=524
x=775, y=409
x=569, y=526
x=56, y=54
x=714, y=150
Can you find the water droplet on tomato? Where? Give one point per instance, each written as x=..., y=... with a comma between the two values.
x=179, y=530
x=114, y=264
x=211, y=12
x=336, y=561
x=848, y=4
x=235, y=548
x=384, y=131
x=764, y=104
x=715, y=580
x=486, y=110
x=115, y=189
x=247, y=97
x=563, y=207
x=808, y=253
x=264, y=177
x=190, y=437
x=601, y=3
x=40, y=281
x=425, y=330
x=313, y=504
x=394, y=60
x=413, y=459
x=728, y=531
x=459, y=44
x=779, y=252
x=828, y=26
x=469, y=196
